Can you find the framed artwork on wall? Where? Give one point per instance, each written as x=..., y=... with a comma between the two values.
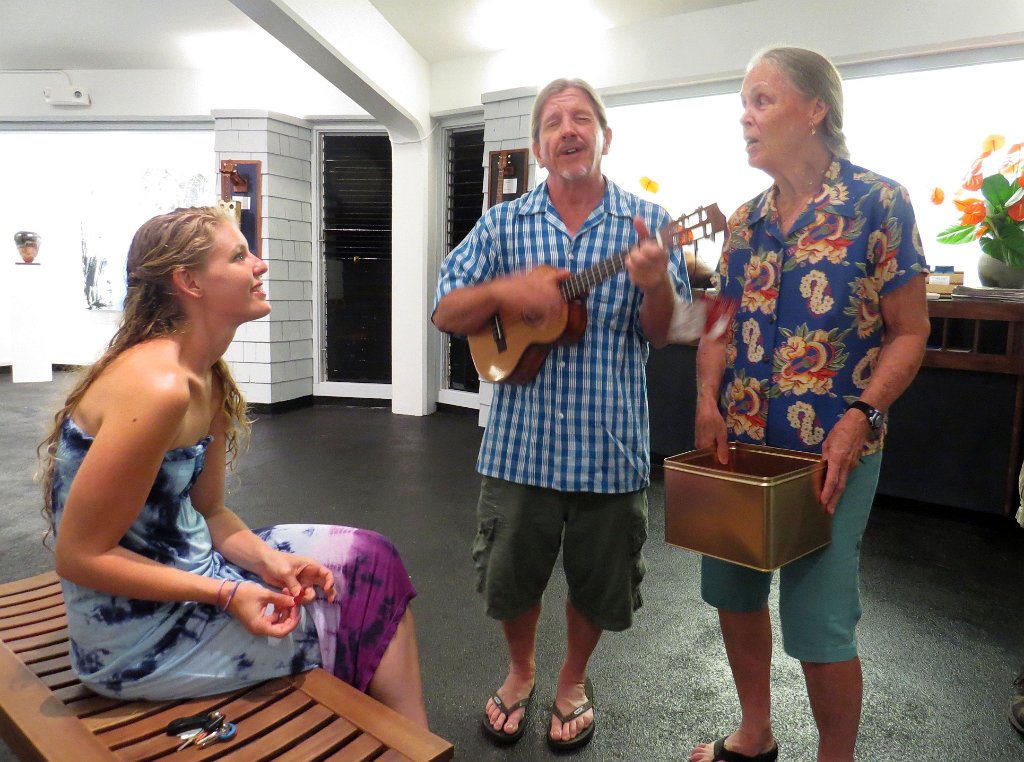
x=240, y=189
x=507, y=174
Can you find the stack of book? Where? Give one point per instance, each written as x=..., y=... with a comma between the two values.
x=943, y=280
x=990, y=292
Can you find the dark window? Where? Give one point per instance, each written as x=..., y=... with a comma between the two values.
x=356, y=235
x=465, y=203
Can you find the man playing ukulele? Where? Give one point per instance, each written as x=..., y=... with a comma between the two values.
x=565, y=454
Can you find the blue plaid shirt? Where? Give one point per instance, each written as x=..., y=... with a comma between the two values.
x=581, y=425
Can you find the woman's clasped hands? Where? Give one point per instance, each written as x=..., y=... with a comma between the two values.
x=265, y=611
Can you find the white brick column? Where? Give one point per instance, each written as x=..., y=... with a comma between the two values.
x=506, y=126
x=272, y=358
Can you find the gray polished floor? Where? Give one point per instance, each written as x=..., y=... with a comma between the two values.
x=941, y=639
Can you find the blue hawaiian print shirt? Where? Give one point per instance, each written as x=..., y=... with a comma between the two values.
x=581, y=425
x=808, y=331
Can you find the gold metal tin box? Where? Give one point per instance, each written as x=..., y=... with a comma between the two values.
x=759, y=510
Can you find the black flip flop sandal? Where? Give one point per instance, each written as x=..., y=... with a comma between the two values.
x=723, y=754
x=584, y=736
x=500, y=737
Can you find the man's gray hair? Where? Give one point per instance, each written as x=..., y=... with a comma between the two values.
x=813, y=76
x=560, y=85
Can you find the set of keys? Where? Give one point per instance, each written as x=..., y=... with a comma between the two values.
x=201, y=730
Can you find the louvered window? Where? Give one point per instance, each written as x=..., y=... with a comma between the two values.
x=465, y=203
x=356, y=235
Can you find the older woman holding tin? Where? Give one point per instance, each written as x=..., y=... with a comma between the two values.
x=828, y=268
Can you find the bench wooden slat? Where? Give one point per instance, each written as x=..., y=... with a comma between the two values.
x=46, y=627
x=46, y=713
x=58, y=663
x=362, y=748
x=28, y=700
x=403, y=735
x=32, y=595
x=252, y=715
x=392, y=756
x=327, y=739
x=253, y=737
x=11, y=592
x=149, y=744
x=266, y=714
x=92, y=705
x=72, y=693
x=285, y=736
x=38, y=616
x=62, y=679
x=54, y=600
x=139, y=718
x=41, y=646
x=43, y=653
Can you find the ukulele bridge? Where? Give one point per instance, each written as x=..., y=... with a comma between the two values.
x=498, y=333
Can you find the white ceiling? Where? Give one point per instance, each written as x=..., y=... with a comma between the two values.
x=173, y=34
x=445, y=29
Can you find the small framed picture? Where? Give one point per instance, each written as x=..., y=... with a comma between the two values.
x=507, y=174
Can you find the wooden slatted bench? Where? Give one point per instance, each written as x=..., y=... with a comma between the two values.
x=47, y=714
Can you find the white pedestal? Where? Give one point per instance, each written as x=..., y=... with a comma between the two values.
x=31, y=320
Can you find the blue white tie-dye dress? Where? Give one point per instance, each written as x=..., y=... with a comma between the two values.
x=131, y=648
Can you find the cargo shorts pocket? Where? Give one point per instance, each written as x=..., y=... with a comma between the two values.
x=482, y=550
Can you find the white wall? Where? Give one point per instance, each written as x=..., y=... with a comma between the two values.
x=715, y=44
x=700, y=47
x=87, y=192
x=908, y=138
x=272, y=358
x=167, y=94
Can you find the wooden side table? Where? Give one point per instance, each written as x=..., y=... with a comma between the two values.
x=955, y=434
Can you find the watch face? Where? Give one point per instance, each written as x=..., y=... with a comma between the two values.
x=874, y=416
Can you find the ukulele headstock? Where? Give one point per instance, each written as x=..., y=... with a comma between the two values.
x=703, y=222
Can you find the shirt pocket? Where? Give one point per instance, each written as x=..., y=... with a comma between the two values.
x=614, y=304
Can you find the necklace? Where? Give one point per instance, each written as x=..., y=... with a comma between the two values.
x=789, y=213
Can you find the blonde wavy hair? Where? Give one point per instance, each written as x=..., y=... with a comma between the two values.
x=183, y=238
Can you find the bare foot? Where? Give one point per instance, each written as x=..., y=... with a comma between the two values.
x=741, y=744
x=567, y=698
x=515, y=688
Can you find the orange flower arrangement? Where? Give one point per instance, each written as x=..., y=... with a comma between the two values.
x=996, y=218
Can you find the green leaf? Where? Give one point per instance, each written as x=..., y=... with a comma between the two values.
x=956, y=234
x=1013, y=245
x=1009, y=249
x=1017, y=195
x=1015, y=258
x=994, y=248
x=999, y=221
x=997, y=189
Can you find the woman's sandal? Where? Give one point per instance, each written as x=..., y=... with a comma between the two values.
x=723, y=754
x=500, y=737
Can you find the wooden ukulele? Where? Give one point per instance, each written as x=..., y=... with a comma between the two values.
x=511, y=351
x=505, y=170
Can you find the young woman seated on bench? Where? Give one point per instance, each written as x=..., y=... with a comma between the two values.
x=168, y=593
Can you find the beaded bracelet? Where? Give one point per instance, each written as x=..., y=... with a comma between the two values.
x=216, y=601
x=231, y=595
